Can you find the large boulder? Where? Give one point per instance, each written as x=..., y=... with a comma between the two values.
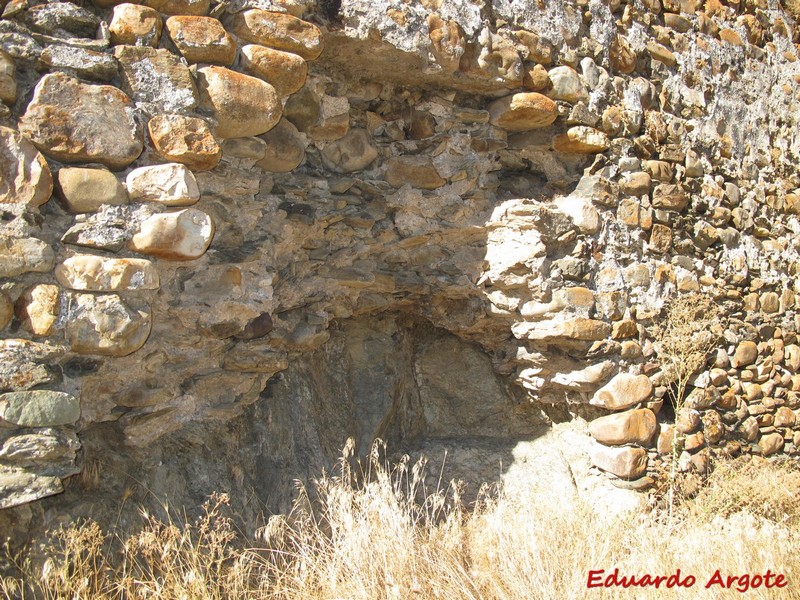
x=73, y=121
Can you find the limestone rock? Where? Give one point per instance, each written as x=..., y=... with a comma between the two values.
x=24, y=255
x=562, y=329
x=8, y=81
x=156, y=79
x=38, y=307
x=44, y=447
x=106, y=324
x=135, y=25
x=76, y=122
x=98, y=274
x=624, y=462
x=354, y=152
x=669, y=197
x=62, y=19
x=745, y=355
x=623, y=391
x=630, y=427
x=566, y=85
x=770, y=444
x=660, y=238
x=6, y=310
x=202, y=40
x=80, y=62
x=25, y=177
x=180, y=7
x=25, y=364
x=279, y=31
x=40, y=408
x=522, y=112
x=170, y=184
x=417, y=171
x=181, y=235
x=581, y=140
x=187, y=140
x=581, y=211
x=19, y=486
x=448, y=43
x=284, y=71
x=86, y=190
x=284, y=151
x=242, y=105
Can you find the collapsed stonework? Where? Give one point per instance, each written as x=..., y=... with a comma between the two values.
x=236, y=233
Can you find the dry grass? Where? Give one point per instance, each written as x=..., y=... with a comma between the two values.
x=378, y=534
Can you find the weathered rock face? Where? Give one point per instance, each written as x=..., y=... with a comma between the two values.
x=74, y=122
x=442, y=227
x=25, y=177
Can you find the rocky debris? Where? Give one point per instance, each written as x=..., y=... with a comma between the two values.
x=279, y=31
x=243, y=106
x=24, y=255
x=540, y=193
x=156, y=79
x=623, y=391
x=283, y=150
x=284, y=71
x=181, y=235
x=98, y=274
x=82, y=190
x=630, y=427
x=187, y=140
x=135, y=25
x=107, y=325
x=40, y=408
x=625, y=462
x=523, y=112
x=170, y=184
x=201, y=40
x=25, y=177
x=72, y=121
x=38, y=308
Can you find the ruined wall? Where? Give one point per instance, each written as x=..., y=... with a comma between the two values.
x=202, y=202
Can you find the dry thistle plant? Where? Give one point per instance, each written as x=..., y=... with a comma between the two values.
x=683, y=340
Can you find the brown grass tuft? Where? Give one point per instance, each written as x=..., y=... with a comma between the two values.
x=376, y=533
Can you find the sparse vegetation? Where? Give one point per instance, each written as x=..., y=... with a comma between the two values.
x=365, y=537
x=689, y=331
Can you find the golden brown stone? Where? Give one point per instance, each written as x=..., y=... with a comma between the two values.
x=187, y=140
x=631, y=427
x=447, y=42
x=135, y=25
x=279, y=31
x=522, y=112
x=284, y=71
x=202, y=40
x=417, y=171
x=284, y=150
x=581, y=140
x=242, y=105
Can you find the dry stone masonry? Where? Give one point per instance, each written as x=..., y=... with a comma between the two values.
x=199, y=199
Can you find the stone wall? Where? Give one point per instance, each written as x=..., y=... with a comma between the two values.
x=195, y=194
